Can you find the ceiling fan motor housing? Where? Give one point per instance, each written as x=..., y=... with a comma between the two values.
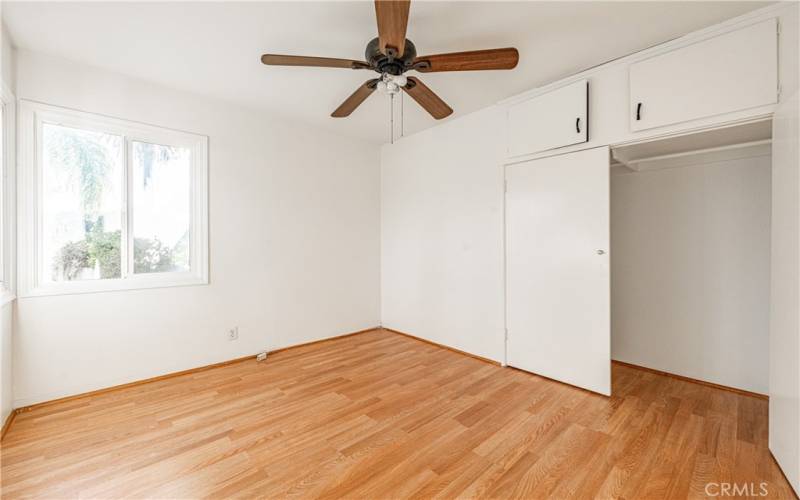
x=388, y=63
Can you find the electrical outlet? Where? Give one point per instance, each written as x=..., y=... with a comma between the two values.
x=233, y=333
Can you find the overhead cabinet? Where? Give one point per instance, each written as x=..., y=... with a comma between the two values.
x=730, y=72
x=552, y=120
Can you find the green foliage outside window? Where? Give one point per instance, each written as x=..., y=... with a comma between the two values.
x=102, y=249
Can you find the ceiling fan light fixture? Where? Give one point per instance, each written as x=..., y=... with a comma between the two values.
x=392, y=84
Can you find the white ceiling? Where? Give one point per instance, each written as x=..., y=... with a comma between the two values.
x=214, y=48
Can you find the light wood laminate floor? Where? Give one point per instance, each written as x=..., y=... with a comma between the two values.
x=380, y=415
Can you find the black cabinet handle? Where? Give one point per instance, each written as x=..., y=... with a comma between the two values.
x=578, y=124
x=638, y=111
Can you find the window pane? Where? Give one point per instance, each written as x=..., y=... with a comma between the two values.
x=161, y=208
x=3, y=167
x=81, y=204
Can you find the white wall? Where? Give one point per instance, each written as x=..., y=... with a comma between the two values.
x=784, y=369
x=784, y=376
x=6, y=364
x=294, y=237
x=690, y=272
x=442, y=234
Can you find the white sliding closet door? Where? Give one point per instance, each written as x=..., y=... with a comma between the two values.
x=557, y=230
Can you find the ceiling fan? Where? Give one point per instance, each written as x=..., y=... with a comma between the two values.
x=391, y=54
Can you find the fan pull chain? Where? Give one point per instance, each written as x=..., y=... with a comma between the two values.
x=391, y=118
x=402, y=117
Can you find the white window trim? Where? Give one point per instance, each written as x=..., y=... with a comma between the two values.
x=31, y=116
x=8, y=196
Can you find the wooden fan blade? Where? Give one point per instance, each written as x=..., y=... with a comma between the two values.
x=356, y=98
x=427, y=99
x=475, y=60
x=392, y=16
x=320, y=62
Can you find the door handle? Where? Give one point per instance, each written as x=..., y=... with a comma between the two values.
x=578, y=124
x=601, y=252
x=638, y=111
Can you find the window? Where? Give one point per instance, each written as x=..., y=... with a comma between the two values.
x=3, y=165
x=7, y=200
x=110, y=204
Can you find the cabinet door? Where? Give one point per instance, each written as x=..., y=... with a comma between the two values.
x=558, y=276
x=551, y=120
x=730, y=72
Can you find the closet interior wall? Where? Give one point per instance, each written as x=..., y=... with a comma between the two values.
x=690, y=268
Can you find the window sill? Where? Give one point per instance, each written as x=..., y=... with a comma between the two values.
x=6, y=297
x=114, y=285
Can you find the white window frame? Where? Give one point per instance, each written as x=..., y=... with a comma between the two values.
x=7, y=195
x=32, y=115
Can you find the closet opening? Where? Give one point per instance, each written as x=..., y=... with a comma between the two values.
x=690, y=255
